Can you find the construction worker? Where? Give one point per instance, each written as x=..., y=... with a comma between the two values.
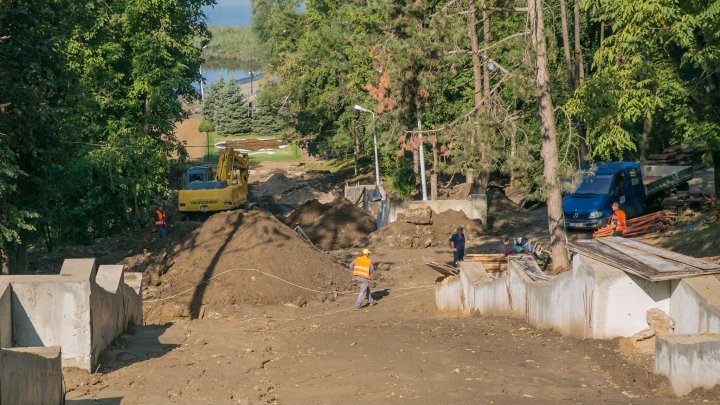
x=618, y=220
x=160, y=218
x=362, y=267
x=457, y=244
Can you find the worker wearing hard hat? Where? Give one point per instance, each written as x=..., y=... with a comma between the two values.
x=362, y=267
x=457, y=244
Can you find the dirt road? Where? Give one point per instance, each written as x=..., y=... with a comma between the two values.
x=401, y=350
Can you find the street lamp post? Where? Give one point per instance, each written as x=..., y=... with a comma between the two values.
x=377, y=165
x=422, y=161
x=202, y=91
x=252, y=76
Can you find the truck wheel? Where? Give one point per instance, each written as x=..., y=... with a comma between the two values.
x=684, y=186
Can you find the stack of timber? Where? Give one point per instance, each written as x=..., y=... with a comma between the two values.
x=444, y=269
x=655, y=222
x=686, y=199
x=675, y=155
x=494, y=263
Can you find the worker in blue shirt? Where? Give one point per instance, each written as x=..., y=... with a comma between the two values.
x=457, y=244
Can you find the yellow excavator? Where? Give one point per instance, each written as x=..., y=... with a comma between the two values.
x=227, y=190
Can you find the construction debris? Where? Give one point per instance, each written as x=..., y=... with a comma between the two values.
x=675, y=155
x=335, y=225
x=683, y=200
x=494, y=263
x=405, y=234
x=655, y=222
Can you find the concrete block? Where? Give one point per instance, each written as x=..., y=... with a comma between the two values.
x=688, y=361
x=695, y=305
x=5, y=315
x=83, y=309
x=593, y=300
x=31, y=375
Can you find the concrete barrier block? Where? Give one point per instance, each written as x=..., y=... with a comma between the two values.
x=688, y=361
x=593, y=300
x=5, y=315
x=695, y=305
x=133, y=298
x=31, y=375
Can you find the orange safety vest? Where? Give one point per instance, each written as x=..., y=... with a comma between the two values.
x=619, y=221
x=159, y=218
x=362, y=267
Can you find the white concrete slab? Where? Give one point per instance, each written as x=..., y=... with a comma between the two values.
x=30, y=376
x=695, y=305
x=689, y=361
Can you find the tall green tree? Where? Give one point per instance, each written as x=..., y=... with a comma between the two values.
x=232, y=113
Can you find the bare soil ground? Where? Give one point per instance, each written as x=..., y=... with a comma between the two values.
x=403, y=350
x=195, y=141
x=255, y=339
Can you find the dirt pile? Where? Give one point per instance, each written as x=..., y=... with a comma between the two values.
x=281, y=194
x=408, y=233
x=226, y=247
x=336, y=225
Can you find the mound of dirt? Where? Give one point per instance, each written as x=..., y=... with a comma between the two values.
x=277, y=184
x=281, y=194
x=403, y=234
x=336, y=225
x=236, y=248
x=306, y=214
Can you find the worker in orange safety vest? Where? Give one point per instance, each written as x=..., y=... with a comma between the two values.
x=362, y=267
x=618, y=220
x=160, y=220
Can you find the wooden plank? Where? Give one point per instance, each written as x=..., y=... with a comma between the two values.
x=611, y=257
x=657, y=263
x=443, y=269
x=667, y=254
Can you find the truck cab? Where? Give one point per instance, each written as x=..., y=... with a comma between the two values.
x=588, y=206
x=630, y=184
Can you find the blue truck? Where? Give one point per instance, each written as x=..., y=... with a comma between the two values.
x=633, y=185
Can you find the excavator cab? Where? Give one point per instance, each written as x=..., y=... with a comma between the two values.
x=226, y=190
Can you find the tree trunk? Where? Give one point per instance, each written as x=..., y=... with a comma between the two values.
x=548, y=135
x=4, y=263
x=716, y=166
x=433, y=173
x=477, y=73
x=566, y=44
x=583, y=150
x=602, y=34
x=579, y=65
x=645, y=142
x=481, y=185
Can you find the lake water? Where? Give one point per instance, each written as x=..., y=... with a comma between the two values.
x=234, y=13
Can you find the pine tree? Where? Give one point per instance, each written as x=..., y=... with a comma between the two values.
x=210, y=100
x=231, y=112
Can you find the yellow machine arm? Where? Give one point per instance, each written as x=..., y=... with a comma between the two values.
x=228, y=162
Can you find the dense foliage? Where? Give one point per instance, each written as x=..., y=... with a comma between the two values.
x=90, y=91
x=643, y=76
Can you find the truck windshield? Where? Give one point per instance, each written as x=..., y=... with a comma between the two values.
x=594, y=185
